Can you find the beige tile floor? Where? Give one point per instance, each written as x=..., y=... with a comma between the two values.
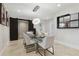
x=16, y=48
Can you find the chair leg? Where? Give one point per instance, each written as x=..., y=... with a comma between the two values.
x=36, y=47
x=30, y=48
x=44, y=52
x=24, y=45
x=53, y=49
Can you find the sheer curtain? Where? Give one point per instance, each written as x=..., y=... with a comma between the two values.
x=4, y=37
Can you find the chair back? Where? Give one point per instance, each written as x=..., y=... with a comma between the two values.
x=47, y=42
x=27, y=39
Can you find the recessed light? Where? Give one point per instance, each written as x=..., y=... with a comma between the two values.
x=18, y=10
x=58, y=5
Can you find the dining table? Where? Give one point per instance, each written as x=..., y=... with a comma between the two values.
x=37, y=39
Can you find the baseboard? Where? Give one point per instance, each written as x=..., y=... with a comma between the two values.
x=68, y=45
x=1, y=52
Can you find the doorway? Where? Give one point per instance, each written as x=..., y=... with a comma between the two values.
x=22, y=28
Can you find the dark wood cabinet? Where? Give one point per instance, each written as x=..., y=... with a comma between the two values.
x=13, y=29
x=31, y=27
x=0, y=11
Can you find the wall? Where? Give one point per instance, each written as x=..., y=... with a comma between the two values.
x=4, y=38
x=68, y=37
x=47, y=26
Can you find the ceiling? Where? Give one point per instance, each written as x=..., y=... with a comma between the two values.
x=25, y=10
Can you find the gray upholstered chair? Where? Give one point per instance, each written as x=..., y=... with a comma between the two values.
x=28, y=43
x=48, y=42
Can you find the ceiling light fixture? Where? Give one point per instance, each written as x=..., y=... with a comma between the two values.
x=58, y=5
x=36, y=8
x=36, y=21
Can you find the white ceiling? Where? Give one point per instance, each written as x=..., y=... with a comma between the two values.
x=25, y=10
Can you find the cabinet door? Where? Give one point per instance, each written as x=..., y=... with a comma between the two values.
x=0, y=12
x=13, y=29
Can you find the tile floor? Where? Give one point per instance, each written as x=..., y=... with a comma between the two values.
x=16, y=48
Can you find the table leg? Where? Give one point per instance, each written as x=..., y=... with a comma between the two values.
x=36, y=47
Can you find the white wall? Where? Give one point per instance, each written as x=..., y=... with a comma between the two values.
x=46, y=26
x=69, y=37
x=4, y=38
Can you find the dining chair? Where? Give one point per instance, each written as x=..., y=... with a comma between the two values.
x=47, y=42
x=28, y=43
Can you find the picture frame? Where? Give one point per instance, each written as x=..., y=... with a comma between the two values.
x=3, y=15
x=7, y=19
